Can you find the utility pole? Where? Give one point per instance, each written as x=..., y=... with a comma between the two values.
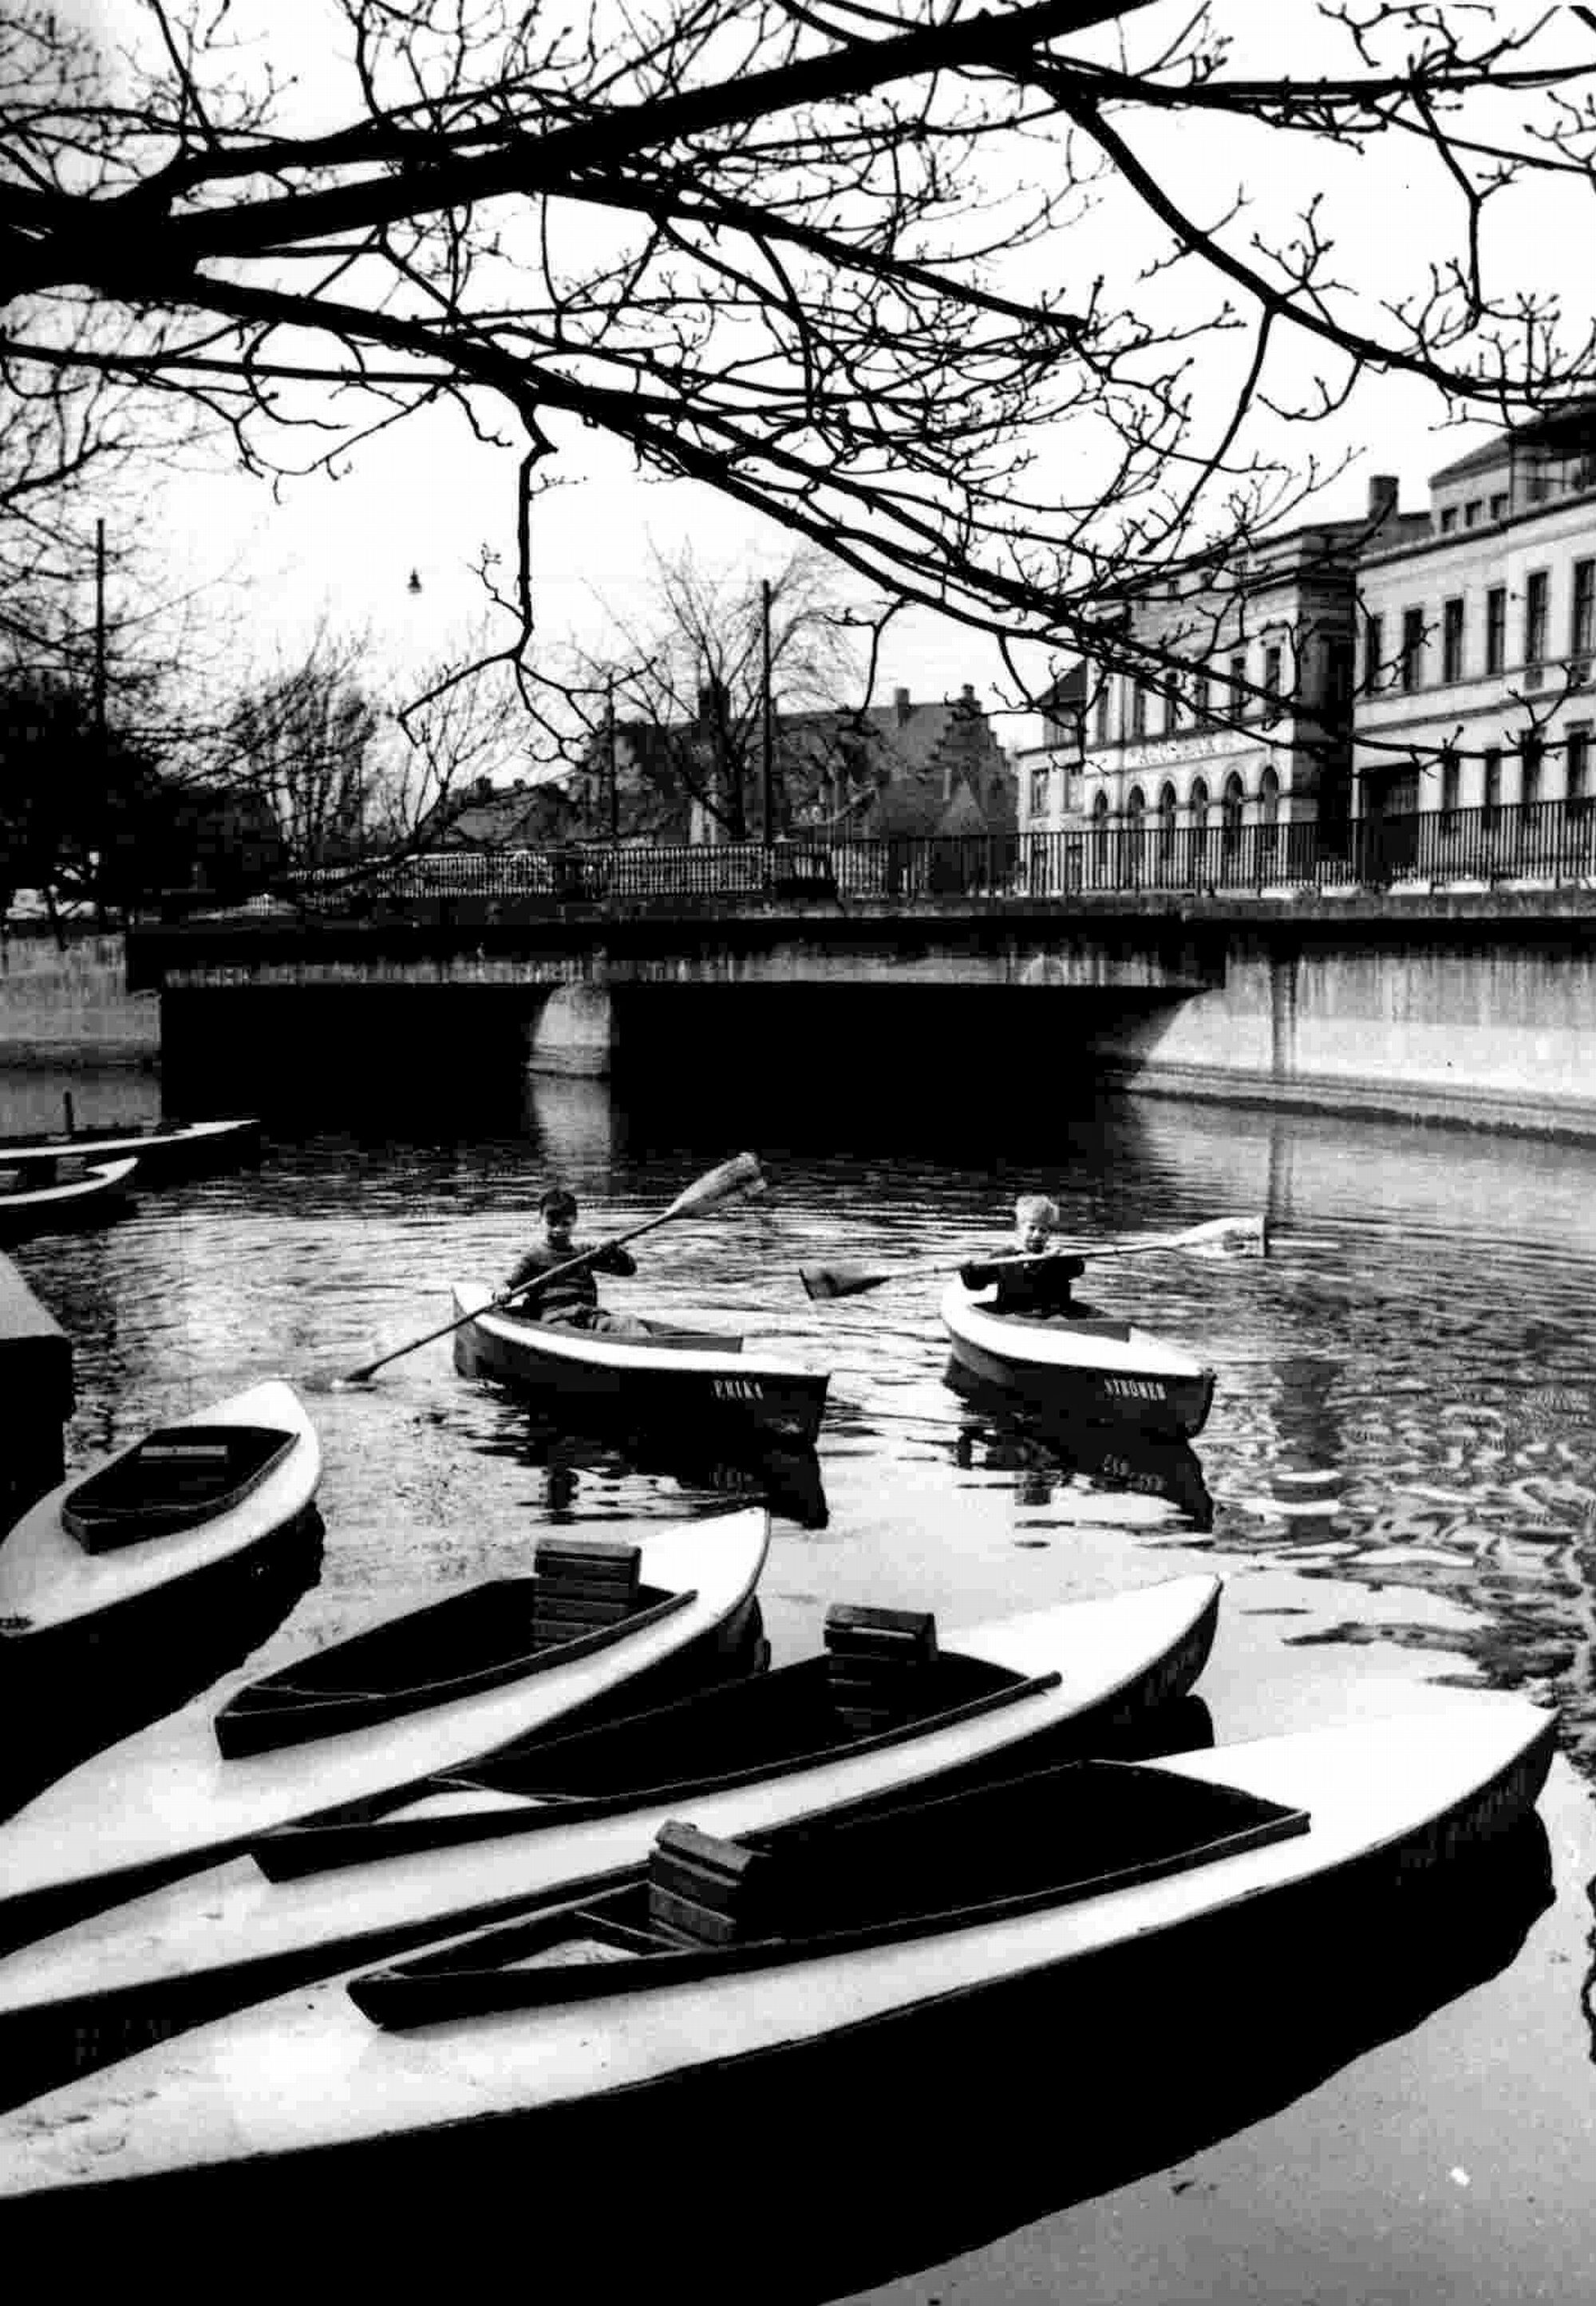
x=766, y=747
x=101, y=741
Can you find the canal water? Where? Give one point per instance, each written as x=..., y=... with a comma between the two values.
x=1397, y=1484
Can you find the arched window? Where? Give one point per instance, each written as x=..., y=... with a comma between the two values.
x=1167, y=841
x=1269, y=822
x=1229, y=822
x=1136, y=823
x=1199, y=806
x=1098, y=865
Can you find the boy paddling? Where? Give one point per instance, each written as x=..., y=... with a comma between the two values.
x=572, y=1302
x=1038, y=1287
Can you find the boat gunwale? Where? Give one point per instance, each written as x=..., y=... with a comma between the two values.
x=437, y=1978
x=621, y=1356
x=382, y=1838
x=363, y=1710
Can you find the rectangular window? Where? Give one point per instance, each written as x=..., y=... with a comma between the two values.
x=1496, y=628
x=1491, y=792
x=1200, y=698
x=1452, y=640
x=1272, y=674
x=1537, y=598
x=1578, y=761
x=1449, y=520
x=1238, y=678
x=1450, y=779
x=1102, y=711
x=1498, y=507
x=1171, y=710
x=1139, y=709
x=1583, y=621
x=1374, y=650
x=1471, y=514
x=1039, y=783
x=1413, y=647
x=1532, y=752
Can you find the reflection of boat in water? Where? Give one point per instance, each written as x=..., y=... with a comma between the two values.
x=748, y=1467
x=131, y=1674
x=1012, y=1434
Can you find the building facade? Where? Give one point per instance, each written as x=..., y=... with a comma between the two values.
x=1248, y=721
x=1479, y=636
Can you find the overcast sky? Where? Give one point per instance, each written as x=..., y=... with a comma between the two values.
x=428, y=498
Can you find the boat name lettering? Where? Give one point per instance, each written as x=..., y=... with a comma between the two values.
x=738, y=1388
x=1135, y=1388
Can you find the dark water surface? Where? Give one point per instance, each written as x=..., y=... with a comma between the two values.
x=1398, y=1482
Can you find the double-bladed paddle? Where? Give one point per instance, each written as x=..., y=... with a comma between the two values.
x=740, y=1175
x=1219, y=1237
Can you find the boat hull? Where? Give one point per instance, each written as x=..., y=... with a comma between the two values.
x=54, y=1583
x=1104, y=1372
x=166, y=1802
x=102, y=1192
x=694, y=1390
x=164, y=1150
x=306, y=2083
x=1088, y=1670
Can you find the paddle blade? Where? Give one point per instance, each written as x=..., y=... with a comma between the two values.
x=1226, y=1237
x=740, y=1175
x=822, y=1283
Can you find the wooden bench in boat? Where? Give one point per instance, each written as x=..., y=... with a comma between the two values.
x=580, y=1584
x=877, y=1662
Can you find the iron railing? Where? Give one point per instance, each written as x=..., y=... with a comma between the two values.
x=1545, y=843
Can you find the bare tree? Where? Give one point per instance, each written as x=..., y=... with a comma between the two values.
x=455, y=735
x=924, y=285
x=297, y=744
x=672, y=714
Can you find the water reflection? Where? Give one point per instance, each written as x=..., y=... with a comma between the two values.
x=61, y=1702
x=710, y=1469
x=1046, y=1447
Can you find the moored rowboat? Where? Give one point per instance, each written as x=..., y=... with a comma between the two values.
x=192, y=1495
x=76, y=1191
x=162, y=1148
x=535, y=1824
x=171, y=1799
x=1109, y=1371
x=847, y=1926
x=693, y=1377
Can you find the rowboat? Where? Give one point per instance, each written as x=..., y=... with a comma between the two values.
x=175, y=1797
x=693, y=1377
x=1109, y=1371
x=887, y=1708
x=162, y=1148
x=732, y=1954
x=205, y=1490
x=75, y=1192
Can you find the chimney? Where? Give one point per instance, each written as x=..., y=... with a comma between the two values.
x=901, y=699
x=1383, y=491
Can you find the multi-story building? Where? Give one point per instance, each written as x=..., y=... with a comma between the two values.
x=1250, y=720
x=1478, y=635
